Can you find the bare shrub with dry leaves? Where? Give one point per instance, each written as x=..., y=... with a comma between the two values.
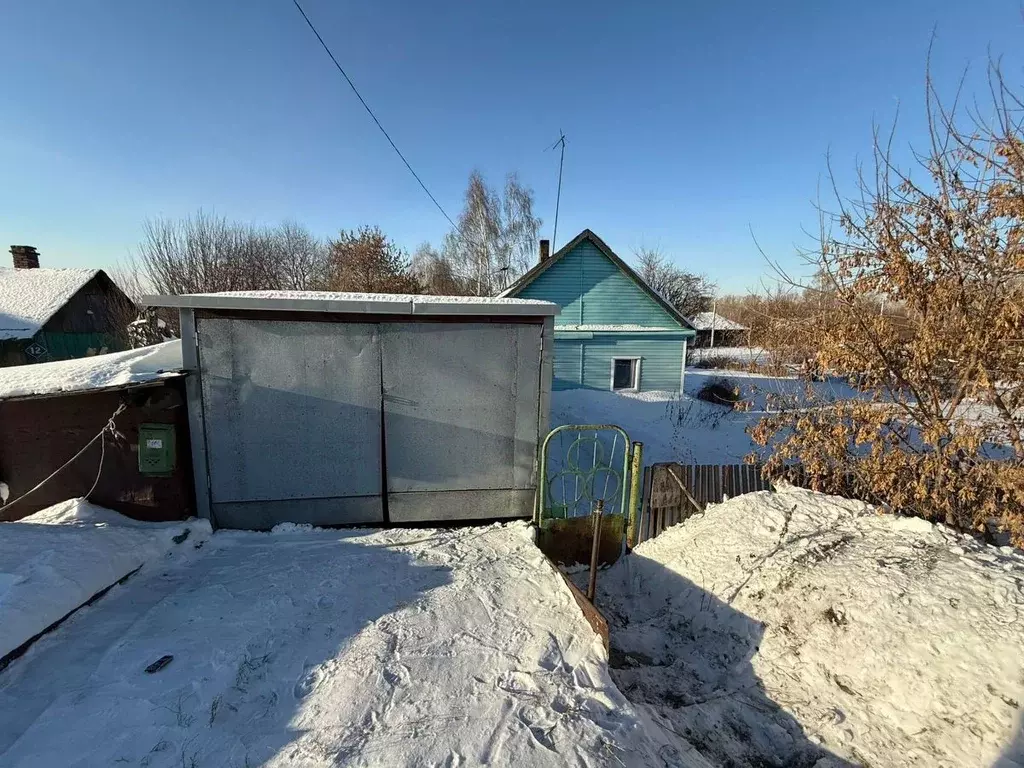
x=919, y=299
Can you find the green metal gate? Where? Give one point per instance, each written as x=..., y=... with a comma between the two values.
x=581, y=464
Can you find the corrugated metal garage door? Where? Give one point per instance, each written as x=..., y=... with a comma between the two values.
x=293, y=420
x=460, y=419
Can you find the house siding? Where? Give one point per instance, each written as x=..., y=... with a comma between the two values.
x=592, y=290
x=661, y=361
x=566, y=367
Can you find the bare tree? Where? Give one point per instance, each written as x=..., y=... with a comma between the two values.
x=496, y=234
x=204, y=253
x=302, y=259
x=939, y=430
x=688, y=292
x=365, y=259
x=436, y=274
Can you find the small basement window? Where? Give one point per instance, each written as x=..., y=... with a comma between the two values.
x=626, y=373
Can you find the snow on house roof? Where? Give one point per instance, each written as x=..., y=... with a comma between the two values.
x=113, y=371
x=30, y=297
x=383, y=303
x=620, y=328
x=704, y=321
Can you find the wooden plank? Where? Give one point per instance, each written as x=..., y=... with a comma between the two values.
x=645, y=506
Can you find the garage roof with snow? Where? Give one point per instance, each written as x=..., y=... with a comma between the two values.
x=356, y=303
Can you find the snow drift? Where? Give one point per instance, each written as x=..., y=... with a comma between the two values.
x=310, y=647
x=55, y=560
x=791, y=628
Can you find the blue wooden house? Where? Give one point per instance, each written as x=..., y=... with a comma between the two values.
x=614, y=332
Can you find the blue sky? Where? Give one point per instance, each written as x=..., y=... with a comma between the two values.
x=689, y=125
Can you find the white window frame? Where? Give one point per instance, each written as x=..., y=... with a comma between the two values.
x=636, y=374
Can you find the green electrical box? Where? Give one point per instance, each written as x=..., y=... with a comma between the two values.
x=156, y=449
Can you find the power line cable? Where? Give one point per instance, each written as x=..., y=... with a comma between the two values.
x=352, y=85
x=374, y=117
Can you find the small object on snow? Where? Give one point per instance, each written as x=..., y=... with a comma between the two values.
x=159, y=664
x=181, y=536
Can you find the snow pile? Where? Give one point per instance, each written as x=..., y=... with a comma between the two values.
x=30, y=297
x=776, y=628
x=134, y=366
x=55, y=560
x=315, y=648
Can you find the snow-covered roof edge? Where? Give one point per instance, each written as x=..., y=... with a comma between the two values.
x=117, y=370
x=357, y=303
x=703, y=321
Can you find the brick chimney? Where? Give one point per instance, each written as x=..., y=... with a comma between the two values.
x=25, y=257
x=545, y=250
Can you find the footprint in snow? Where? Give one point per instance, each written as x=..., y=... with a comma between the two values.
x=312, y=676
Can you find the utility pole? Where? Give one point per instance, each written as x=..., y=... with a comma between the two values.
x=714, y=318
x=558, y=197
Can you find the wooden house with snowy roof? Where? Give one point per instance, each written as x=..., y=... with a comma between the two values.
x=58, y=314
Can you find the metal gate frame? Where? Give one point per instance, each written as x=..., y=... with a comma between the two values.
x=632, y=462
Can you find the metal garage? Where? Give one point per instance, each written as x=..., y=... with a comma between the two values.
x=334, y=408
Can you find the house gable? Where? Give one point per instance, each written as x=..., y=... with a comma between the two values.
x=594, y=288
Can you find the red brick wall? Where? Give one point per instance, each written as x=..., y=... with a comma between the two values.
x=37, y=436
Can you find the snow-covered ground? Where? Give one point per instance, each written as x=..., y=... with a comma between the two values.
x=307, y=647
x=686, y=429
x=55, y=560
x=778, y=629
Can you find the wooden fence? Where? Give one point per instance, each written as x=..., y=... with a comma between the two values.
x=673, y=492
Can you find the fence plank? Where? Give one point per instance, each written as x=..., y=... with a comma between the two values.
x=674, y=492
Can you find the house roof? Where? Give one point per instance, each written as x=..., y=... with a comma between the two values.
x=119, y=370
x=705, y=321
x=30, y=297
x=375, y=303
x=600, y=244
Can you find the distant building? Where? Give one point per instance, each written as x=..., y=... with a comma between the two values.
x=614, y=331
x=725, y=332
x=58, y=314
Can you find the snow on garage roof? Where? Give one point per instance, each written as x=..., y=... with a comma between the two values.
x=85, y=374
x=704, y=321
x=30, y=297
x=376, y=303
